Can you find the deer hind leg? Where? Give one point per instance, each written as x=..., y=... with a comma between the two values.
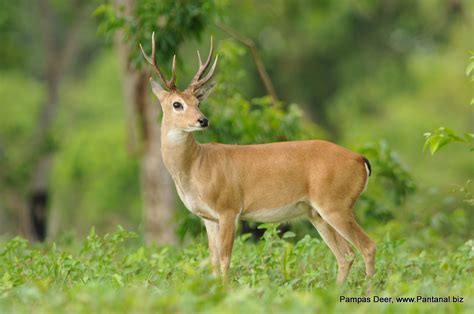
x=341, y=249
x=212, y=229
x=343, y=221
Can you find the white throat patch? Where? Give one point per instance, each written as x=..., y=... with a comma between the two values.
x=176, y=136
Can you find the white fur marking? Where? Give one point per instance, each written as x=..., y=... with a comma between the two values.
x=193, y=201
x=281, y=214
x=367, y=179
x=176, y=136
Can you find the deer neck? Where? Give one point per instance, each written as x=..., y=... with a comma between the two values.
x=180, y=150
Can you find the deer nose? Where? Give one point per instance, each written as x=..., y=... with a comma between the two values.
x=203, y=122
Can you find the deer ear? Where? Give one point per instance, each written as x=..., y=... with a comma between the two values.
x=204, y=92
x=157, y=89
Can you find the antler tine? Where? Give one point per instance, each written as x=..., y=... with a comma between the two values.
x=209, y=74
x=198, y=80
x=172, y=81
x=203, y=67
x=200, y=71
x=152, y=60
x=209, y=57
x=147, y=58
x=199, y=58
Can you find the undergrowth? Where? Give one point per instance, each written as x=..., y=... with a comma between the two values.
x=118, y=273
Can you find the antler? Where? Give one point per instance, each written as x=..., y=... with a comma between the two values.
x=169, y=84
x=198, y=79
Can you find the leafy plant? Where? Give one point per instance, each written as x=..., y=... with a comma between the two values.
x=172, y=21
x=236, y=119
x=470, y=71
x=390, y=184
x=443, y=136
x=115, y=273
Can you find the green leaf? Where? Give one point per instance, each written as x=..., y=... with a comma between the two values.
x=101, y=9
x=118, y=279
x=469, y=136
x=470, y=69
x=434, y=143
x=245, y=236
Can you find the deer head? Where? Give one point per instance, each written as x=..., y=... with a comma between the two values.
x=181, y=108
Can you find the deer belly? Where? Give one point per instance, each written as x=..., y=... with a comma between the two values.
x=280, y=214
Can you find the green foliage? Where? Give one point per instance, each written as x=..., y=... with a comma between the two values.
x=236, y=119
x=389, y=185
x=390, y=170
x=443, y=136
x=172, y=21
x=467, y=190
x=319, y=51
x=117, y=273
x=95, y=179
x=470, y=73
x=17, y=120
x=470, y=67
x=8, y=14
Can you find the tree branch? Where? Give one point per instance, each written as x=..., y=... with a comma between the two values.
x=262, y=72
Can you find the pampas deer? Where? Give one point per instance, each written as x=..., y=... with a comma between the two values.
x=273, y=182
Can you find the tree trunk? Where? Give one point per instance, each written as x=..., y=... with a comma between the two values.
x=157, y=189
x=39, y=197
x=39, y=194
x=157, y=185
x=57, y=60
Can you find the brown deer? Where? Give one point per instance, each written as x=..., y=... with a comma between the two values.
x=273, y=182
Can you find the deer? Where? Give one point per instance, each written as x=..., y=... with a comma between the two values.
x=267, y=183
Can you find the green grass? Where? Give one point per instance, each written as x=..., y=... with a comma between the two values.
x=117, y=273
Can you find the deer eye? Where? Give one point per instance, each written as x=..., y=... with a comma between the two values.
x=177, y=105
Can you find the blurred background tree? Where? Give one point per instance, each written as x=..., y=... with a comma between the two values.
x=373, y=76
x=60, y=26
x=132, y=21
